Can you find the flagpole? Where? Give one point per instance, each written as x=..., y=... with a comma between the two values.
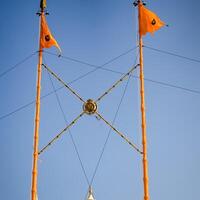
x=144, y=138
x=37, y=120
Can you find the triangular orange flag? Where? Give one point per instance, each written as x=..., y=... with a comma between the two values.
x=148, y=21
x=46, y=38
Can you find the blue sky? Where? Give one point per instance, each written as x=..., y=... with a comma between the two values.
x=95, y=32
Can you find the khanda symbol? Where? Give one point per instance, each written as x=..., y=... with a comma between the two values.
x=153, y=22
x=47, y=38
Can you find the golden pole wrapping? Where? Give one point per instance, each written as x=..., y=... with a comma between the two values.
x=37, y=123
x=144, y=138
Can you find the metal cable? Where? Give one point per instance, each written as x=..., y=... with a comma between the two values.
x=109, y=132
x=17, y=110
x=48, y=94
x=44, y=96
x=105, y=69
x=120, y=80
x=61, y=133
x=60, y=80
x=17, y=65
x=86, y=74
x=120, y=134
x=70, y=133
x=117, y=82
x=89, y=64
x=172, y=54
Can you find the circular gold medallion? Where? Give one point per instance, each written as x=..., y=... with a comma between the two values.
x=90, y=107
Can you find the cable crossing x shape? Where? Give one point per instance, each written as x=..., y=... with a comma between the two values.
x=90, y=108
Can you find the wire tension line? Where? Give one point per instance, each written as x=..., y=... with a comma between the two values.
x=18, y=64
x=90, y=107
x=172, y=54
x=119, y=133
x=61, y=133
x=70, y=133
x=60, y=80
x=117, y=82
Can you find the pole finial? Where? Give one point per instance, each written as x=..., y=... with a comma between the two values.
x=43, y=5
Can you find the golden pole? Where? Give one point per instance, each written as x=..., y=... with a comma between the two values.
x=144, y=138
x=37, y=122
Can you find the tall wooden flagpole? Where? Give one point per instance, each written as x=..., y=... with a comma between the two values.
x=144, y=137
x=37, y=121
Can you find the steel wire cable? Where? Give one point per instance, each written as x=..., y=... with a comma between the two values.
x=113, y=122
x=109, y=132
x=18, y=64
x=117, y=83
x=92, y=65
x=70, y=133
x=70, y=82
x=61, y=133
x=111, y=126
x=161, y=83
x=61, y=81
x=146, y=79
x=108, y=136
x=172, y=54
x=119, y=133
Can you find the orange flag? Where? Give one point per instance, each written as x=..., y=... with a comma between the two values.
x=148, y=21
x=46, y=38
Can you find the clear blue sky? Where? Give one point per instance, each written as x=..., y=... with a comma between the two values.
x=95, y=32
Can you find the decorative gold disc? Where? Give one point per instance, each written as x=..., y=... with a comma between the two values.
x=90, y=107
